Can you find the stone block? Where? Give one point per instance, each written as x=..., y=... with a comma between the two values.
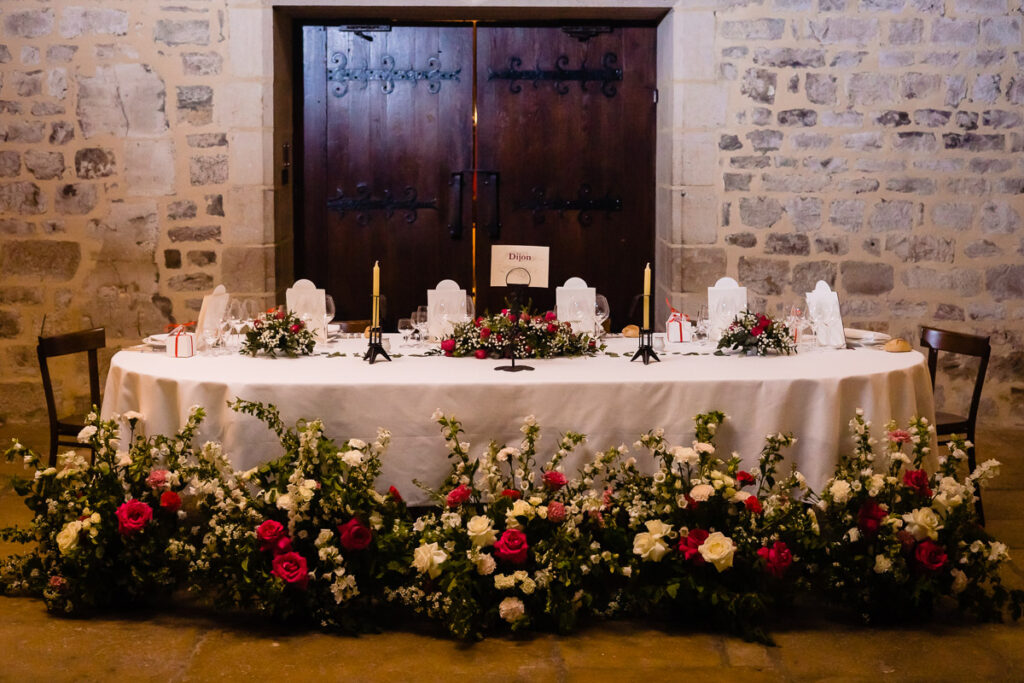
x=760, y=212
x=857, y=185
x=798, y=117
x=982, y=166
x=880, y=165
x=983, y=59
x=980, y=6
x=251, y=268
x=729, y=143
x=968, y=186
x=95, y=162
x=760, y=116
x=12, y=226
x=32, y=23
x=17, y=296
x=44, y=165
x=61, y=133
x=968, y=120
x=199, y=233
x=195, y=104
x=940, y=58
x=893, y=118
x=881, y=5
x=982, y=311
x=952, y=215
x=205, y=140
x=811, y=141
x=750, y=162
x=184, y=32
x=837, y=246
x=61, y=53
x=956, y=31
x=77, y=21
x=847, y=214
x=940, y=165
x=962, y=281
x=820, y=88
x=172, y=258
x=846, y=58
x=10, y=164
x=763, y=276
x=96, y=95
x=21, y=198
x=804, y=213
x=1000, y=118
x=192, y=282
x=956, y=90
x=759, y=85
x=744, y=240
x=835, y=30
x=10, y=324
x=790, y=57
x=932, y=118
x=1010, y=185
x=911, y=185
x=694, y=52
x=866, y=141
x=202, y=258
x=128, y=232
x=765, y=140
x=41, y=259
x=1015, y=90
x=906, y=32
x=29, y=132
x=737, y=182
x=866, y=277
x=149, y=166
x=215, y=204
x=888, y=59
x=826, y=165
x=872, y=89
x=895, y=215
x=807, y=273
x=75, y=199
x=1005, y=282
x=701, y=268
x=916, y=248
x=917, y=85
x=696, y=210
x=787, y=244
x=982, y=249
x=201, y=63
x=181, y=209
x=949, y=312
x=987, y=88
x=974, y=142
x=47, y=109
x=694, y=159
x=1001, y=31
x=752, y=29
x=999, y=218
x=27, y=83
x=208, y=170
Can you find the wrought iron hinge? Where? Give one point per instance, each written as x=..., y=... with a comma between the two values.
x=585, y=33
x=362, y=29
x=655, y=95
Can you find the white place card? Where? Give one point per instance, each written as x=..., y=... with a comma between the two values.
x=305, y=300
x=576, y=303
x=513, y=264
x=211, y=313
x=446, y=305
x=826, y=317
x=725, y=300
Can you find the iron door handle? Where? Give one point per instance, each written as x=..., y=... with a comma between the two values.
x=493, y=224
x=456, y=183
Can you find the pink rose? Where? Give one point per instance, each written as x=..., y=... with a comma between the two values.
x=554, y=480
x=899, y=436
x=157, y=479
x=296, y=328
x=132, y=516
x=556, y=512
x=917, y=481
x=480, y=353
x=448, y=345
x=525, y=317
x=776, y=559
x=170, y=501
x=291, y=567
x=930, y=555
x=690, y=544
x=355, y=535
x=458, y=495
x=550, y=315
x=511, y=547
x=268, y=534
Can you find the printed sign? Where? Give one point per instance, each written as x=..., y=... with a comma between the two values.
x=513, y=264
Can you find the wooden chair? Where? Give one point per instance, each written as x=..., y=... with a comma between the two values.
x=936, y=340
x=353, y=326
x=89, y=342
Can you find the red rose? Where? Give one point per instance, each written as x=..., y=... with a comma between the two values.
x=592, y=344
x=556, y=512
x=296, y=328
x=395, y=494
x=690, y=543
x=291, y=567
x=691, y=504
x=552, y=328
x=481, y=353
x=529, y=349
x=257, y=324
x=504, y=311
x=268, y=534
x=499, y=338
x=776, y=559
x=132, y=516
x=448, y=345
x=354, y=535
x=280, y=315
x=906, y=540
x=757, y=331
x=930, y=555
x=169, y=500
x=479, y=321
x=550, y=315
x=512, y=546
x=485, y=332
x=763, y=321
x=744, y=478
x=525, y=317
x=282, y=545
x=58, y=583
x=554, y=480
x=512, y=494
x=870, y=517
x=754, y=505
x=458, y=495
x=512, y=318
x=917, y=481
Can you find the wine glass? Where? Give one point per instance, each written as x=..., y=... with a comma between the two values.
x=445, y=315
x=701, y=330
x=601, y=313
x=470, y=307
x=405, y=328
x=211, y=337
x=419, y=322
x=329, y=310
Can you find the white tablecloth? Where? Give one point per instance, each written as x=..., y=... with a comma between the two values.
x=608, y=398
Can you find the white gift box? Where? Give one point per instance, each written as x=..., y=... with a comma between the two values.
x=678, y=329
x=181, y=344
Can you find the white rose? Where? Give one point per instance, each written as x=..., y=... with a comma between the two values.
x=356, y=443
x=650, y=544
x=701, y=492
x=67, y=539
x=718, y=549
x=882, y=564
x=740, y=496
x=480, y=531
x=685, y=456
x=511, y=610
x=485, y=565
x=959, y=581
x=840, y=490
x=528, y=586
x=875, y=484
x=504, y=582
x=428, y=559
x=998, y=552
x=352, y=458
x=521, y=508
x=87, y=433
x=923, y=523
x=285, y=502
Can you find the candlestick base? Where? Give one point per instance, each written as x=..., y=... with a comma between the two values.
x=646, y=351
x=376, y=347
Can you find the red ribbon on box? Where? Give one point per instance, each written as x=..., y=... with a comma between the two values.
x=178, y=331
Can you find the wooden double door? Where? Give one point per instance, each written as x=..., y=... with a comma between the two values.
x=423, y=146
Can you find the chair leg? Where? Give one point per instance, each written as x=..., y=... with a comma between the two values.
x=971, y=464
x=53, y=448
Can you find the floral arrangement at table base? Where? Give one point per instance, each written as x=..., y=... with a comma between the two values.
x=756, y=334
x=278, y=332
x=522, y=335
x=514, y=541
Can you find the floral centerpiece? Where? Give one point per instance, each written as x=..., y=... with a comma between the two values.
x=278, y=332
x=519, y=335
x=756, y=334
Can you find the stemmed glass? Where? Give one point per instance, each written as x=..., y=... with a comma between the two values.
x=405, y=328
x=470, y=307
x=235, y=319
x=211, y=338
x=702, y=328
x=329, y=310
x=601, y=313
x=419, y=323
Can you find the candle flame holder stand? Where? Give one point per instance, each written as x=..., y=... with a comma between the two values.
x=646, y=350
x=515, y=300
x=376, y=346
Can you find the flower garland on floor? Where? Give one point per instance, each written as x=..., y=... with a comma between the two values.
x=520, y=334
x=756, y=334
x=278, y=332
x=514, y=541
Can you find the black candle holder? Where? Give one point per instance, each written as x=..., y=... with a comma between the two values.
x=646, y=351
x=515, y=306
x=376, y=347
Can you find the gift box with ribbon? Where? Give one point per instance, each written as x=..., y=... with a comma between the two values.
x=678, y=328
x=181, y=343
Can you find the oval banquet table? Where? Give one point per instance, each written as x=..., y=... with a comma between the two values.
x=608, y=398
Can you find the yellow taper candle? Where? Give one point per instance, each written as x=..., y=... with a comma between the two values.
x=375, y=315
x=647, y=297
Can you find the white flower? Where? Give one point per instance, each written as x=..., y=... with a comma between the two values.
x=132, y=415
x=511, y=610
x=998, y=552
x=875, y=484
x=528, y=585
x=67, y=539
x=485, y=565
x=882, y=564
x=840, y=490
x=718, y=549
x=701, y=447
x=356, y=443
x=923, y=523
x=428, y=558
x=684, y=455
x=651, y=544
x=959, y=581
x=352, y=458
x=701, y=492
x=87, y=433
x=521, y=508
x=285, y=502
x=740, y=496
x=504, y=582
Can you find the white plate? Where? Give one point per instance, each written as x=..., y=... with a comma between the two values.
x=855, y=336
x=156, y=340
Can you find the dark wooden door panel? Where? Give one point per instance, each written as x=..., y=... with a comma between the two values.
x=570, y=127
x=386, y=122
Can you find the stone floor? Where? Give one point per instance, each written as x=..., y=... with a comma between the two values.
x=183, y=643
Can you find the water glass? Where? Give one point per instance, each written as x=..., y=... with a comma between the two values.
x=405, y=328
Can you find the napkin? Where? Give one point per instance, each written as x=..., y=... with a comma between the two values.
x=725, y=300
x=446, y=305
x=212, y=311
x=305, y=300
x=576, y=303
x=823, y=308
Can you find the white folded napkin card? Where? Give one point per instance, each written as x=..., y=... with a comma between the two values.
x=211, y=313
x=725, y=300
x=575, y=303
x=826, y=318
x=446, y=305
x=306, y=301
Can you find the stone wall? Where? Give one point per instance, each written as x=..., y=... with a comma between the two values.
x=873, y=144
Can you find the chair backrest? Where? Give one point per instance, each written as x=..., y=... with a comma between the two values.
x=965, y=344
x=88, y=341
x=351, y=326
